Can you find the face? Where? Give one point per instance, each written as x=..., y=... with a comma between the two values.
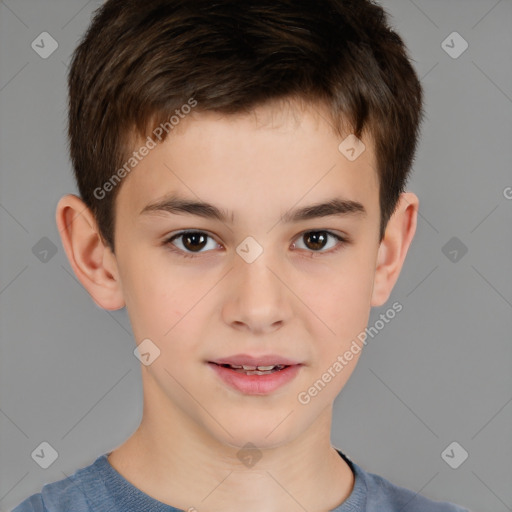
x=262, y=273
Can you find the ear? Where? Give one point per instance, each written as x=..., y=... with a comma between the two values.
x=91, y=259
x=394, y=246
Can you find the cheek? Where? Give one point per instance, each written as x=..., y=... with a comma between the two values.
x=343, y=301
x=155, y=298
x=167, y=305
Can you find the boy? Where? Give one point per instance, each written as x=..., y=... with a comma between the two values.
x=276, y=135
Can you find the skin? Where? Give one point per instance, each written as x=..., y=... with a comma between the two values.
x=296, y=299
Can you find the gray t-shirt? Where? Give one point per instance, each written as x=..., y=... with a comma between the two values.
x=100, y=488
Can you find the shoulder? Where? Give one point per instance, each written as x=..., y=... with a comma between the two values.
x=63, y=495
x=33, y=503
x=374, y=493
x=383, y=492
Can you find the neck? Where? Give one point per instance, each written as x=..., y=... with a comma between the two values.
x=175, y=461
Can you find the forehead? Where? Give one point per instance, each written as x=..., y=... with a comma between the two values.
x=272, y=157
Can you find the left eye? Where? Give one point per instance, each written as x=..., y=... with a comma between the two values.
x=317, y=240
x=193, y=242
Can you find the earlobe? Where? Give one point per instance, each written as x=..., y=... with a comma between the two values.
x=394, y=246
x=91, y=260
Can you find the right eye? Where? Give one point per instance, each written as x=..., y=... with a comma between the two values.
x=189, y=243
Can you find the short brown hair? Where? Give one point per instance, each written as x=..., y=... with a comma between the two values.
x=140, y=61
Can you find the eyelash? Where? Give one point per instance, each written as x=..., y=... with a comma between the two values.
x=168, y=242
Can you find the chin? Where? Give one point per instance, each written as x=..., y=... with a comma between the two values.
x=264, y=433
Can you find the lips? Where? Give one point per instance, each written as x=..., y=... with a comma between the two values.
x=256, y=374
x=256, y=382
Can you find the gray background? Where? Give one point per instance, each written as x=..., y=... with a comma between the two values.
x=440, y=372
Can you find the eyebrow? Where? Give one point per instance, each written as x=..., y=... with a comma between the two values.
x=175, y=204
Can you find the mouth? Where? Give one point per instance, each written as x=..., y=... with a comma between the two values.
x=255, y=379
x=254, y=370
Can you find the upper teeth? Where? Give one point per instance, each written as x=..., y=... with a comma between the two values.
x=260, y=368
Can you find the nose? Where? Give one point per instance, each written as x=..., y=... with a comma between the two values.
x=257, y=299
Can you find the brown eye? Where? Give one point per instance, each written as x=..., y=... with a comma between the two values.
x=315, y=241
x=190, y=242
x=193, y=241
